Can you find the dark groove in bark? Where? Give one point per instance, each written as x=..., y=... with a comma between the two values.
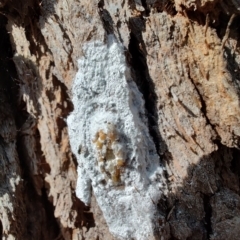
x=208, y=215
x=51, y=221
x=49, y=226
x=146, y=7
x=106, y=18
x=165, y=6
x=204, y=106
x=1, y=229
x=145, y=85
x=7, y=67
x=235, y=164
x=36, y=205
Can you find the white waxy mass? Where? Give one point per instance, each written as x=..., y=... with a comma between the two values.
x=110, y=138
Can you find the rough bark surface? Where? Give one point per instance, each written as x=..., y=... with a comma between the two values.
x=184, y=56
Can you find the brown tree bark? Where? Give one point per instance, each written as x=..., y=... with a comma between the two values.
x=184, y=56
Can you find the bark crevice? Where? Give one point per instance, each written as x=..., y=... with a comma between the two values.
x=204, y=106
x=144, y=83
x=208, y=215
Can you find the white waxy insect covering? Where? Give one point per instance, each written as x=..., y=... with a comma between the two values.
x=110, y=138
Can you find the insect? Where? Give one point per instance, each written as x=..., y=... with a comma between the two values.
x=110, y=157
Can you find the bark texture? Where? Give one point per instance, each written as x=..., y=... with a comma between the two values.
x=184, y=56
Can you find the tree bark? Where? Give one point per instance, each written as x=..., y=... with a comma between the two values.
x=184, y=57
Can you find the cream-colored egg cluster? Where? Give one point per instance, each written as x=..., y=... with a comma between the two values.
x=110, y=154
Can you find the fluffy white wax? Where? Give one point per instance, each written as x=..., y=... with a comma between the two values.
x=105, y=96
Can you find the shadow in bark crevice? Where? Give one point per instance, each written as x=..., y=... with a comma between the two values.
x=32, y=15
x=1, y=230
x=207, y=198
x=35, y=166
x=190, y=211
x=106, y=18
x=141, y=76
x=11, y=86
x=163, y=6
x=234, y=69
